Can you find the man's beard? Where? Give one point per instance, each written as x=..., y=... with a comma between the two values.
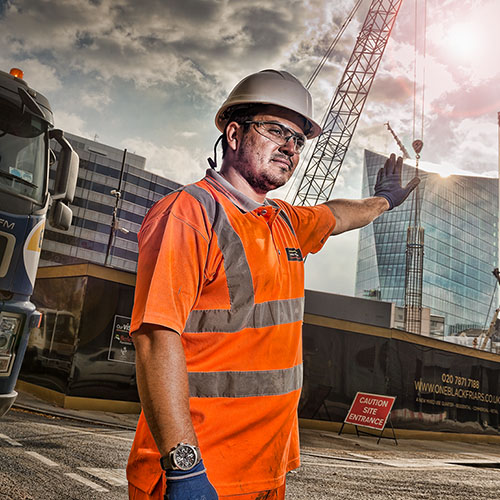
x=266, y=179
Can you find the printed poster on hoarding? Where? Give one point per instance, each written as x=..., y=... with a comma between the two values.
x=121, y=347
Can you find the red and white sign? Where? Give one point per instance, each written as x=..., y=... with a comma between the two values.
x=370, y=410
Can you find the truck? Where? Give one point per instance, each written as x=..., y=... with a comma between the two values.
x=26, y=132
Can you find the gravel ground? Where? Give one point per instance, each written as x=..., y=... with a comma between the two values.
x=344, y=467
x=347, y=466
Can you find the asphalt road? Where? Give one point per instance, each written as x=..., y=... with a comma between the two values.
x=348, y=467
x=47, y=458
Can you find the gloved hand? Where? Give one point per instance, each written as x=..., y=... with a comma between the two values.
x=388, y=183
x=190, y=485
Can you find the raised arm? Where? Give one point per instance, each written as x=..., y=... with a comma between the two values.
x=352, y=214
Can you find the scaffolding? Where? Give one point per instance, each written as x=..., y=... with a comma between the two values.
x=414, y=260
x=414, y=278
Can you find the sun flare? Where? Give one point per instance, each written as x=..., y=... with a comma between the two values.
x=463, y=40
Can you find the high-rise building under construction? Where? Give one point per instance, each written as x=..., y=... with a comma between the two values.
x=460, y=217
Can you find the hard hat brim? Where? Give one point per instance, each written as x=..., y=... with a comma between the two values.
x=314, y=129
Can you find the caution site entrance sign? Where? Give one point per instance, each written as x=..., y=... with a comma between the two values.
x=370, y=410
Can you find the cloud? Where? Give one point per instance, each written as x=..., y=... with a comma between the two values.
x=467, y=37
x=391, y=90
x=471, y=101
x=472, y=146
x=71, y=123
x=108, y=39
x=95, y=100
x=39, y=76
x=187, y=134
x=176, y=163
x=332, y=268
x=153, y=41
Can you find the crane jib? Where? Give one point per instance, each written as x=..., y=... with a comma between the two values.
x=341, y=120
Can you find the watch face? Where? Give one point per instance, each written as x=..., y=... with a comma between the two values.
x=184, y=457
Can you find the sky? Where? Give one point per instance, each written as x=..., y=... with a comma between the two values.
x=149, y=76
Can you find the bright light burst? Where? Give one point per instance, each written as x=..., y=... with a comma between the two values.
x=464, y=41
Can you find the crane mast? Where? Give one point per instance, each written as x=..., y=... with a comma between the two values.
x=340, y=123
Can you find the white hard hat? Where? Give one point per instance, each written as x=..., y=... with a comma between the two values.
x=269, y=86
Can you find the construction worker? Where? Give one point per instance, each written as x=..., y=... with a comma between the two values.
x=219, y=303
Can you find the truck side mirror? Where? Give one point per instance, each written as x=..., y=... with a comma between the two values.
x=67, y=169
x=60, y=216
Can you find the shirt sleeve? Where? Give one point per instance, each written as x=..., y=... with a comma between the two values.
x=312, y=225
x=173, y=246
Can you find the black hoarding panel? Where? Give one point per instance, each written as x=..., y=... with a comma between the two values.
x=436, y=389
x=104, y=363
x=337, y=364
x=443, y=390
x=51, y=346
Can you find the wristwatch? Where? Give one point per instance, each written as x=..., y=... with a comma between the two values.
x=182, y=457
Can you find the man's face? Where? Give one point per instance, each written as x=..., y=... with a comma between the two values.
x=264, y=164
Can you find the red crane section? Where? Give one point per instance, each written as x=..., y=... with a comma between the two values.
x=340, y=123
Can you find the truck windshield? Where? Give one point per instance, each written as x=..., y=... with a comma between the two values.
x=23, y=153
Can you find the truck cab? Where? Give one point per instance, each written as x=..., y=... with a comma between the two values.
x=26, y=129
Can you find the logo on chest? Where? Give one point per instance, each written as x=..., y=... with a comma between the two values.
x=294, y=254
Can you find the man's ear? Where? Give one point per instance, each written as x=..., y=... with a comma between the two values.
x=233, y=135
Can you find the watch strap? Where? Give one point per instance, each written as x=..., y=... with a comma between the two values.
x=165, y=462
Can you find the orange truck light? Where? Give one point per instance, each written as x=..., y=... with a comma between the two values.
x=18, y=73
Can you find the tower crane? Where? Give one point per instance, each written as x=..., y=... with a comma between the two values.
x=406, y=155
x=340, y=122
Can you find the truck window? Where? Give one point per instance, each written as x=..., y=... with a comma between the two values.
x=23, y=146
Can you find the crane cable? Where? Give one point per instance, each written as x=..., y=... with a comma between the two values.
x=418, y=144
x=323, y=61
x=313, y=77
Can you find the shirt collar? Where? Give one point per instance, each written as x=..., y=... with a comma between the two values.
x=237, y=197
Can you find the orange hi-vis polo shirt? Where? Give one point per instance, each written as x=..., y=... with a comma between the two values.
x=228, y=275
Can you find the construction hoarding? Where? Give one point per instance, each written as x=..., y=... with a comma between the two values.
x=82, y=347
x=438, y=386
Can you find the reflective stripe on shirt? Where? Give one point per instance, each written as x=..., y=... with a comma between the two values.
x=238, y=384
x=244, y=312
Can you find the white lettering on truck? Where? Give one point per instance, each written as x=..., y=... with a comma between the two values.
x=6, y=224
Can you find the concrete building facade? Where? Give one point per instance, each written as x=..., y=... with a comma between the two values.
x=459, y=215
x=88, y=239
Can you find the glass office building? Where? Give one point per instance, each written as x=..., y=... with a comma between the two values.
x=88, y=239
x=459, y=215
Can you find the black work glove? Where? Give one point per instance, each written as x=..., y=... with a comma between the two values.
x=388, y=183
x=189, y=485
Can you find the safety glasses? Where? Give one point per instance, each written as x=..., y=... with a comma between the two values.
x=279, y=134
